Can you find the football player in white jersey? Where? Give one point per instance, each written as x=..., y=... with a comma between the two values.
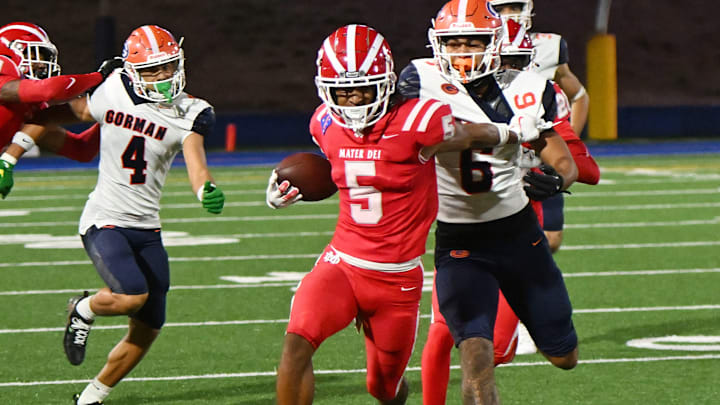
x=487, y=235
x=145, y=120
x=551, y=61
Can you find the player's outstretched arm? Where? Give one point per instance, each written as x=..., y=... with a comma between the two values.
x=57, y=89
x=579, y=99
x=201, y=181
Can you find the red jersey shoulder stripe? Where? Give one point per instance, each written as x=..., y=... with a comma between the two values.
x=417, y=111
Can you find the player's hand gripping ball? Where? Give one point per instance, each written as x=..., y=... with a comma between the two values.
x=310, y=173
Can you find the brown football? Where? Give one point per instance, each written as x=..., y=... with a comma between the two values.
x=310, y=173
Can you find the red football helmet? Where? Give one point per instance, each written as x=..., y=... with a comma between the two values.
x=466, y=18
x=516, y=43
x=148, y=47
x=524, y=17
x=30, y=48
x=355, y=56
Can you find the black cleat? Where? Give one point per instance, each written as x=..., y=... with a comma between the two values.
x=77, y=396
x=77, y=330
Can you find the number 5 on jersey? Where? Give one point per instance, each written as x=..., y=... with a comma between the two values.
x=373, y=212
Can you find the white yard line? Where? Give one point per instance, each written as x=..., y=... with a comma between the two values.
x=350, y=371
x=283, y=321
x=280, y=282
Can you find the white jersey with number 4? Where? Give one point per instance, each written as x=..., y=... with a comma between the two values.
x=480, y=185
x=138, y=142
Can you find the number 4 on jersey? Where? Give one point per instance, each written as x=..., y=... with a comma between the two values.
x=134, y=158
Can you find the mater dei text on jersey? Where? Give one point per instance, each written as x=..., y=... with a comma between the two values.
x=353, y=153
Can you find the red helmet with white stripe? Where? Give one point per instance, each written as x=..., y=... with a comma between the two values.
x=523, y=16
x=516, y=48
x=355, y=56
x=30, y=48
x=466, y=19
x=152, y=48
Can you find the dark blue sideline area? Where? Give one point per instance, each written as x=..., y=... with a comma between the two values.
x=264, y=139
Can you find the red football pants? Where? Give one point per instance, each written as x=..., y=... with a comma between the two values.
x=386, y=305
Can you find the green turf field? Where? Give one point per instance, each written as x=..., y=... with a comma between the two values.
x=641, y=258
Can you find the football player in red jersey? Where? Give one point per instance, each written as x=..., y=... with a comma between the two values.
x=551, y=61
x=27, y=53
x=381, y=150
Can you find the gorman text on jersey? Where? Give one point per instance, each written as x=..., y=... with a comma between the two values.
x=137, y=124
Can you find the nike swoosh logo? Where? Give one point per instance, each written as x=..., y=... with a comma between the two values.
x=537, y=242
x=389, y=136
x=407, y=288
x=72, y=82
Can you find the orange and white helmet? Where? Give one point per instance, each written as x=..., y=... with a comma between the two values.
x=524, y=17
x=355, y=56
x=30, y=48
x=151, y=46
x=516, y=43
x=466, y=18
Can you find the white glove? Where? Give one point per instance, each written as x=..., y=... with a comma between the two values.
x=528, y=128
x=524, y=127
x=528, y=159
x=280, y=195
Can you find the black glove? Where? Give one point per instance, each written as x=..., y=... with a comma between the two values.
x=541, y=186
x=109, y=65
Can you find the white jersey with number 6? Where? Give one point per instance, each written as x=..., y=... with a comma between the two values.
x=138, y=142
x=480, y=185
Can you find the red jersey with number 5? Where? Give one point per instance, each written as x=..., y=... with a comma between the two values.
x=388, y=191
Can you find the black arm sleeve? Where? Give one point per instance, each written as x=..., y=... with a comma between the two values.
x=204, y=122
x=549, y=102
x=409, y=83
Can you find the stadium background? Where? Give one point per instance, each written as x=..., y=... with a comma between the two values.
x=254, y=59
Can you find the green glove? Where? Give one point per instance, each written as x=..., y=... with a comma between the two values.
x=6, y=177
x=213, y=198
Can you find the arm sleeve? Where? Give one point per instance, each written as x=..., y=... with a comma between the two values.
x=588, y=170
x=205, y=122
x=58, y=88
x=409, y=83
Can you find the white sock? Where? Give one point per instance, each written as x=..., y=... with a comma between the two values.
x=94, y=392
x=83, y=308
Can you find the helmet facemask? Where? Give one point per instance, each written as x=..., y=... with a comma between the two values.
x=466, y=66
x=358, y=117
x=39, y=59
x=161, y=91
x=516, y=49
x=345, y=61
x=523, y=17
